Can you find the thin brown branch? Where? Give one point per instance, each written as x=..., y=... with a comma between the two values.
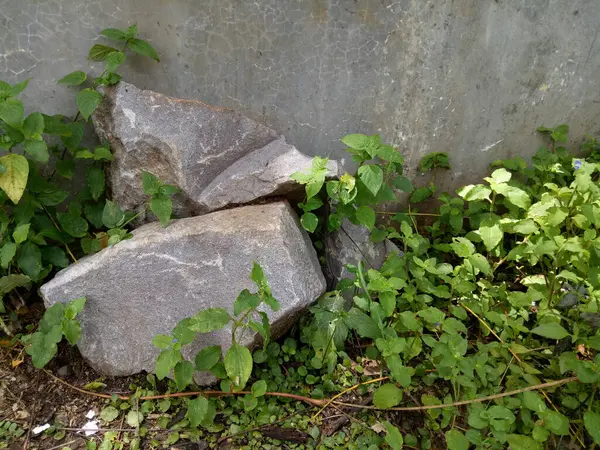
x=208, y=393
x=468, y=402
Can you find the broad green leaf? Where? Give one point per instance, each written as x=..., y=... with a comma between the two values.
x=162, y=341
x=21, y=232
x=150, y=183
x=480, y=262
x=421, y=194
x=33, y=125
x=100, y=52
x=19, y=87
x=259, y=388
x=74, y=307
x=109, y=414
x=490, y=232
x=473, y=193
x=372, y=177
x=432, y=315
x=238, y=364
x=74, y=138
x=389, y=153
x=591, y=421
x=114, y=60
x=393, y=437
x=5, y=89
x=166, y=361
x=514, y=195
x=387, y=396
x=210, y=319
x=245, y=301
x=309, y=222
x=7, y=253
x=314, y=187
x=87, y=101
x=182, y=332
x=388, y=302
x=183, y=372
x=366, y=216
x=550, y=331
x=356, y=141
x=162, y=207
x=112, y=215
x=37, y=150
x=207, y=358
x=14, y=179
x=364, y=325
x=41, y=349
x=74, y=78
x=96, y=182
x=521, y=442
x=93, y=213
x=134, y=418
x=196, y=410
x=114, y=33
x=526, y=226
x=74, y=225
x=72, y=331
x=11, y=111
x=455, y=440
x=555, y=422
x=403, y=183
x=500, y=176
x=533, y=401
x=311, y=204
x=30, y=260
x=10, y=282
x=400, y=373
x=462, y=247
x=143, y=48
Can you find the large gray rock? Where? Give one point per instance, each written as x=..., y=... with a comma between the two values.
x=183, y=142
x=145, y=285
x=264, y=172
x=352, y=244
x=218, y=158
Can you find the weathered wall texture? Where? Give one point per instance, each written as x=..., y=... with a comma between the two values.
x=471, y=77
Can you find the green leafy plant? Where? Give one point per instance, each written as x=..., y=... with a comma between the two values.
x=46, y=219
x=235, y=367
x=500, y=292
x=58, y=321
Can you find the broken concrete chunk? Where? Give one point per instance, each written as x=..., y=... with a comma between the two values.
x=144, y=286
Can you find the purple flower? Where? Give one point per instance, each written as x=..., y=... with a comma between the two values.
x=577, y=164
x=174, y=341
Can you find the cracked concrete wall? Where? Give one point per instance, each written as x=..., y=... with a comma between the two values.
x=471, y=77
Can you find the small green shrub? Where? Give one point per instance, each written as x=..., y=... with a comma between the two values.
x=500, y=292
x=47, y=221
x=235, y=367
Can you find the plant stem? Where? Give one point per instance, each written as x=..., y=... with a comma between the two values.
x=4, y=327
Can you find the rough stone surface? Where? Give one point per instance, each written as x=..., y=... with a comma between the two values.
x=264, y=172
x=471, y=77
x=143, y=286
x=183, y=142
x=351, y=244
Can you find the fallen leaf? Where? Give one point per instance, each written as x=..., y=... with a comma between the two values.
x=16, y=362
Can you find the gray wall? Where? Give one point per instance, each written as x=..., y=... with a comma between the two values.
x=471, y=77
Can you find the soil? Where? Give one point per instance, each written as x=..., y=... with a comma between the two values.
x=30, y=397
